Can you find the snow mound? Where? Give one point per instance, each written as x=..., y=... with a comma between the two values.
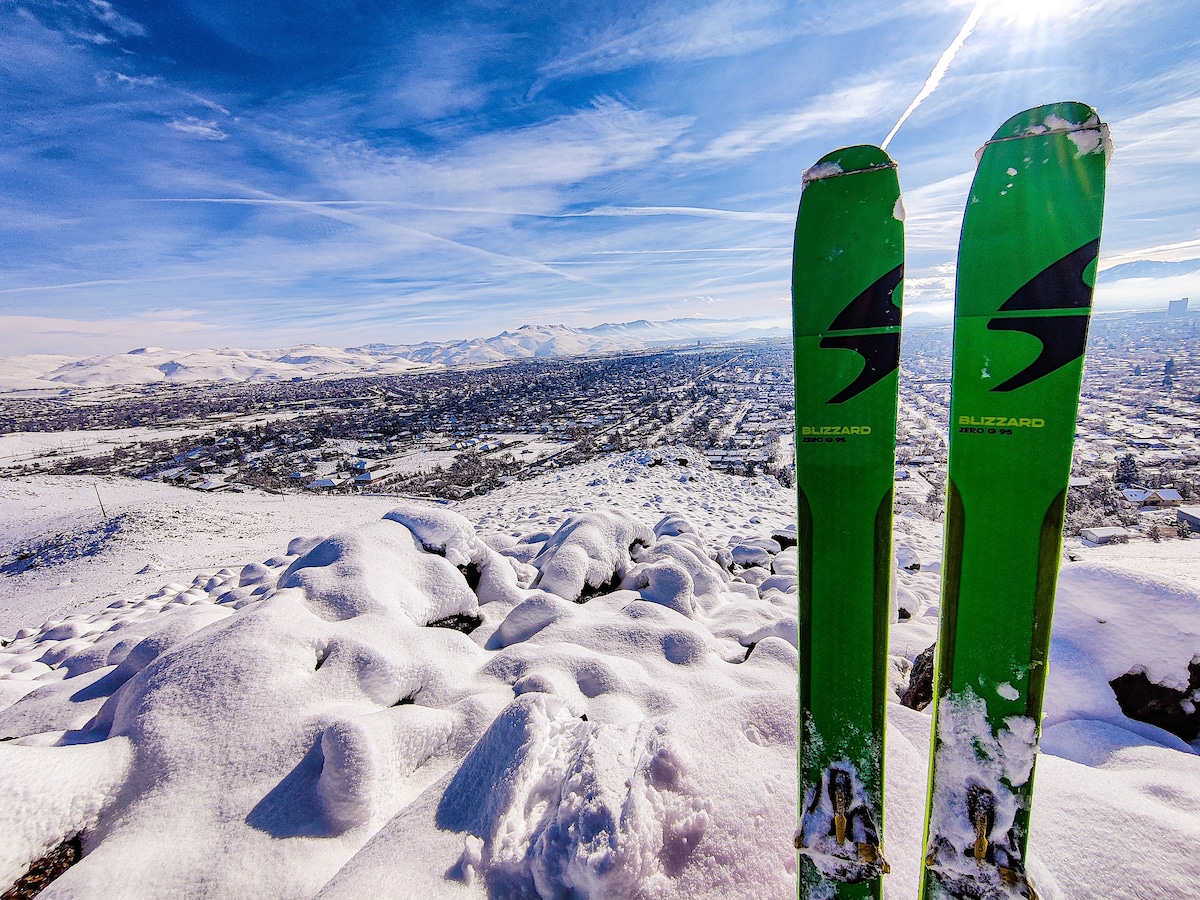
x=589, y=552
x=287, y=712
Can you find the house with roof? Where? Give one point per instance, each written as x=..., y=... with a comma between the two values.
x=1104, y=534
x=1138, y=497
x=1168, y=497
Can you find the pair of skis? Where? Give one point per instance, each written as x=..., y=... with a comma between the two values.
x=1026, y=268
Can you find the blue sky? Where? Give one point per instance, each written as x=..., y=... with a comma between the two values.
x=259, y=174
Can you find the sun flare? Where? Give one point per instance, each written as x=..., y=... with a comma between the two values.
x=1030, y=12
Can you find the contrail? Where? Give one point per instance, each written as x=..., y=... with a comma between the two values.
x=939, y=70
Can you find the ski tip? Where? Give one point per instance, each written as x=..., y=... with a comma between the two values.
x=1056, y=118
x=849, y=160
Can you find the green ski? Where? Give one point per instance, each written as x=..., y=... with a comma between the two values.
x=848, y=265
x=1026, y=270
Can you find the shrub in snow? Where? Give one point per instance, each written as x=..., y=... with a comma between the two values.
x=750, y=554
x=589, y=551
x=666, y=583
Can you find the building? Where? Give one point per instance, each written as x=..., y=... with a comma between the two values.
x=1189, y=514
x=1104, y=535
x=1139, y=496
x=1168, y=497
x=1157, y=497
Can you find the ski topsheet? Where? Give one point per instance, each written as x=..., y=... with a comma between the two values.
x=1026, y=270
x=846, y=287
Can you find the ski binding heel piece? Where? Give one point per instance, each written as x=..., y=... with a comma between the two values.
x=838, y=832
x=981, y=810
x=986, y=868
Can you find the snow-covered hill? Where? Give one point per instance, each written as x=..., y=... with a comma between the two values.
x=149, y=365
x=581, y=685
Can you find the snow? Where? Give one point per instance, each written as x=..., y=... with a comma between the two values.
x=970, y=758
x=225, y=703
x=152, y=365
x=19, y=446
x=821, y=171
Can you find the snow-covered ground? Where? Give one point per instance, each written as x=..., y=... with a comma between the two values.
x=259, y=696
x=26, y=446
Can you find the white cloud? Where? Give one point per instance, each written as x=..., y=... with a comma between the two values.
x=864, y=102
x=725, y=28
x=1181, y=251
x=690, y=211
x=92, y=37
x=934, y=213
x=929, y=289
x=131, y=80
x=122, y=25
x=849, y=16
x=1162, y=136
x=84, y=337
x=524, y=168
x=204, y=101
x=206, y=129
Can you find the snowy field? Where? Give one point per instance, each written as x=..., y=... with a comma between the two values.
x=581, y=685
x=27, y=446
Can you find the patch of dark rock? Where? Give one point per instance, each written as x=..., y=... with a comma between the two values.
x=682, y=461
x=583, y=718
x=784, y=539
x=904, y=614
x=590, y=591
x=406, y=701
x=1158, y=704
x=472, y=574
x=749, y=650
x=464, y=622
x=45, y=870
x=653, y=463
x=920, y=680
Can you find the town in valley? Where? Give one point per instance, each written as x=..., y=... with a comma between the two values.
x=451, y=432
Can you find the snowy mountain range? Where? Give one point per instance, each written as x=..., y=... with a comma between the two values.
x=150, y=365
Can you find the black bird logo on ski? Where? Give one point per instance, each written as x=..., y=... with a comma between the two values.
x=1058, y=286
x=873, y=308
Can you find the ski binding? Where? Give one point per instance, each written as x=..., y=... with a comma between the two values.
x=838, y=831
x=986, y=868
